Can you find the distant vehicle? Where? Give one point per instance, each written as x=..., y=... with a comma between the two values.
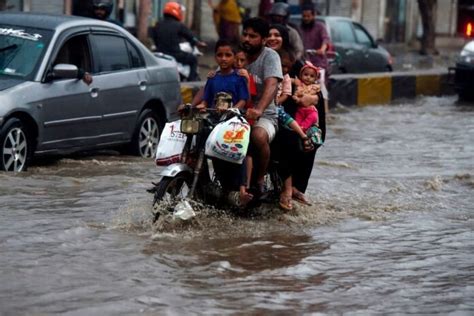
x=464, y=72
x=46, y=109
x=356, y=50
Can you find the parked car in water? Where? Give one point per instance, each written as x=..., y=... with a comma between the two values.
x=356, y=50
x=46, y=109
x=464, y=72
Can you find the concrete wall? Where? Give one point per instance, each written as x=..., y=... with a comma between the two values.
x=446, y=17
x=371, y=13
x=340, y=8
x=47, y=6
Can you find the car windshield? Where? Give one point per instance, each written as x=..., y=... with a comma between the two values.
x=21, y=50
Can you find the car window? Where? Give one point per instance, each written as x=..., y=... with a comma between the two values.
x=21, y=50
x=136, y=60
x=341, y=32
x=111, y=53
x=362, y=36
x=75, y=51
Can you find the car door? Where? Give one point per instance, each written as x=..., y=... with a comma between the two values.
x=69, y=111
x=371, y=59
x=121, y=79
x=344, y=40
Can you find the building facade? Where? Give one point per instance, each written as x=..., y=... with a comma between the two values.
x=393, y=21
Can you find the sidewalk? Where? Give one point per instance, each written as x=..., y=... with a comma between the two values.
x=407, y=58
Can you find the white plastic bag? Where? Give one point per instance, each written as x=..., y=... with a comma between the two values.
x=229, y=140
x=171, y=144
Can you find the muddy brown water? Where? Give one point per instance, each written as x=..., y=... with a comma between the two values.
x=390, y=232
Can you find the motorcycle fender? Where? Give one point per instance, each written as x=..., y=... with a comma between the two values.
x=174, y=169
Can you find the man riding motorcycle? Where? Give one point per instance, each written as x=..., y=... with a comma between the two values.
x=101, y=10
x=170, y=31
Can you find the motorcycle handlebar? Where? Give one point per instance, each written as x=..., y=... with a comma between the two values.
x=187, y=108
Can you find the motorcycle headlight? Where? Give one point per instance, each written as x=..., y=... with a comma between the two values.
x=190, y=126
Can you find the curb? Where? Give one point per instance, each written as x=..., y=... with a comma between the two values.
x=370, y=89
x=384, y=88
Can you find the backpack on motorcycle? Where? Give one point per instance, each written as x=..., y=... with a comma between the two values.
x=229, y=140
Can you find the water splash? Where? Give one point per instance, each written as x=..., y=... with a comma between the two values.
x=435, y=184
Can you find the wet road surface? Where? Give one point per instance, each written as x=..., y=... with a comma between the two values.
x=391, y=231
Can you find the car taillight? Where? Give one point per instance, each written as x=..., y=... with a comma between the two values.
x=469, y=32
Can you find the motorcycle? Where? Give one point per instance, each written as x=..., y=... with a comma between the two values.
x=183, y=69
x=193, y=178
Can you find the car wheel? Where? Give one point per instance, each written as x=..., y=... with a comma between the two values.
x=147, y=134
x=14, y=146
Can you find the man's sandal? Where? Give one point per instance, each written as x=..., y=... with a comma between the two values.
x=285, y=203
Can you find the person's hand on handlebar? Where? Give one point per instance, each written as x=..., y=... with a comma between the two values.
x=201, y=107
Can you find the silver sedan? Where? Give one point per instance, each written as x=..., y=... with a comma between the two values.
x=48, y=104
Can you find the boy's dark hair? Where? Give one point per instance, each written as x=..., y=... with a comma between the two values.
x=286, y=54
x=224, y=42
x=259, y=25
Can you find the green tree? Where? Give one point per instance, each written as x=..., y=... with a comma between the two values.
x=428, y=19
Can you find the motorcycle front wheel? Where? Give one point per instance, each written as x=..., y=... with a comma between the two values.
x=169, y=191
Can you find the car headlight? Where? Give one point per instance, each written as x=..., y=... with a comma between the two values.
x=466, y=57
x=467, y=54
x=190, y=126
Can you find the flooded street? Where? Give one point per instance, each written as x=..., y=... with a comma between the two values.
x=391, y=231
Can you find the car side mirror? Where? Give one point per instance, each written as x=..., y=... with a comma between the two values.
x=65, y=71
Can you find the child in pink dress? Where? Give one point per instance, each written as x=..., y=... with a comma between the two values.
x=306, y=96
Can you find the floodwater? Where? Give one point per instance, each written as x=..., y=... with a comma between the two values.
x=390, y=232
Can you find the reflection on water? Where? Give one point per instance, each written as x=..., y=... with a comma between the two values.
x=390, y=231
